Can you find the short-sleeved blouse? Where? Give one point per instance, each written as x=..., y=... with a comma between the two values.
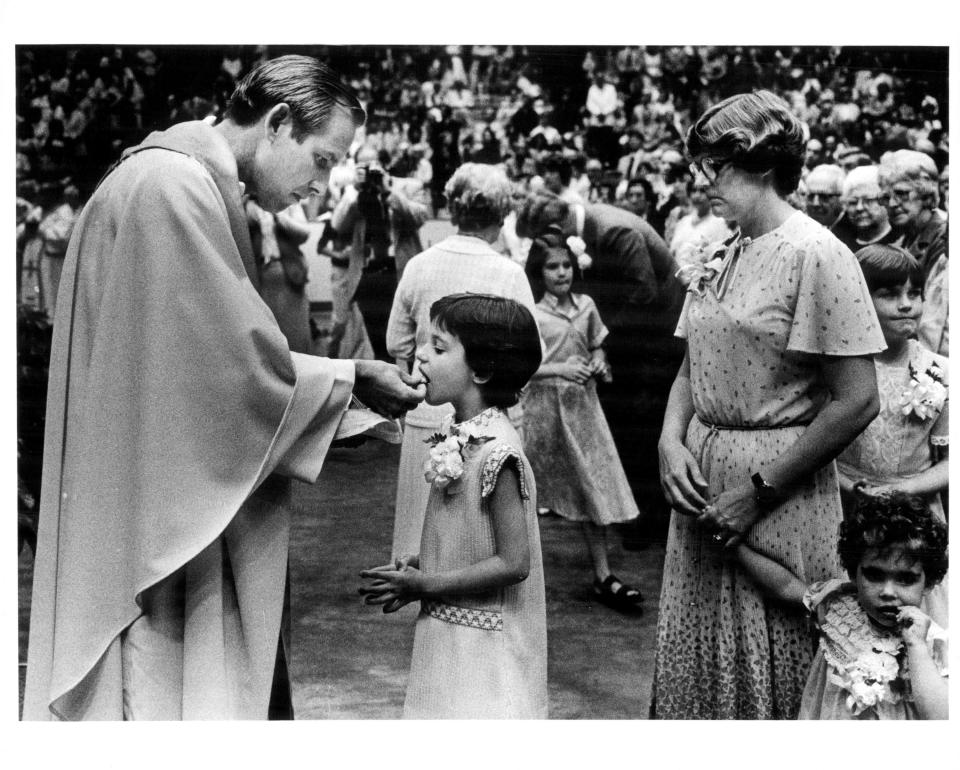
x=793, y=293
x=572, y=332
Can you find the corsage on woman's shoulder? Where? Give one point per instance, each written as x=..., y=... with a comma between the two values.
x=702, y=263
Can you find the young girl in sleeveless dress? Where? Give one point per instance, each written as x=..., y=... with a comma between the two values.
x=905, y=448
x=880, y=656
x=480, y=645
x=578, y=470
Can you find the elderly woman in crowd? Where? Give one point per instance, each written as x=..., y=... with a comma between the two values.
x=479, y=197
x=910, y=190
x=866, y=215
x=776, y=380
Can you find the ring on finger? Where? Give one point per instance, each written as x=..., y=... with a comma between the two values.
x=719, y=537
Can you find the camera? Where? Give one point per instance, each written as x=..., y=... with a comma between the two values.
x=372, y=197
x=370, y=179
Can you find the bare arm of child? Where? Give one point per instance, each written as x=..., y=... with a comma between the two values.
x=394, y=585
x=773, y=578
x=928, y=686
x=936, y=478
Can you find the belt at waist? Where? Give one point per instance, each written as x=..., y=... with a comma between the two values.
x=715, y=426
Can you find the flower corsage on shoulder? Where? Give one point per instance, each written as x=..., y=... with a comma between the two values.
x=926, y=394
x=445, y=463
x=702, y=263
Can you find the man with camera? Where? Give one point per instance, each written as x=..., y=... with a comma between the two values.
x=381, y=217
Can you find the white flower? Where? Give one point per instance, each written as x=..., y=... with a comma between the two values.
x=445, y=463
x=578, y=247
x=701, y=265
x=926, y=394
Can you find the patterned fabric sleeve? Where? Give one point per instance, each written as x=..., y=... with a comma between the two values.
x=597, y=331
x=834, y=314
x=494, y=463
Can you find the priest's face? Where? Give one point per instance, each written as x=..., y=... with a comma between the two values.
x=285, y=171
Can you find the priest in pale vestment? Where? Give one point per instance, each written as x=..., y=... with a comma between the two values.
x=161, y=564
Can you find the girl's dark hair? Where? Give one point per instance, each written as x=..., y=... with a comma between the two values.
x=895, y=521
x=500, y=340
x=886, y=267
x=755, y=132
x=310, y=88
x=539, y=253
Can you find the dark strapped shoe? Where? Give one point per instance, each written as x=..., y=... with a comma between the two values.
x=624, y=597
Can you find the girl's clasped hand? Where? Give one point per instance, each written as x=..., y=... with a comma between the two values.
x=394, y=585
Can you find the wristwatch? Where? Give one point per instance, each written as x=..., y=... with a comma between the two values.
x=766, y=494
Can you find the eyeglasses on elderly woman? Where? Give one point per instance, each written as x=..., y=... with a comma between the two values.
x=867, y=201
x=902, y=195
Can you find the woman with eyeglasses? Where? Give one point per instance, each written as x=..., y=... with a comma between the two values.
x=910, y=190
x=864, y=212
x=776, y=381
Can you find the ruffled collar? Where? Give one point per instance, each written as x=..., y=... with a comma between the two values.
x=865, y=661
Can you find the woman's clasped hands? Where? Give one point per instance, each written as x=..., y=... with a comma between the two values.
x=730, y=514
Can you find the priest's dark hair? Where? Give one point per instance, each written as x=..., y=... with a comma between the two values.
x=309, y=87
x=500, y=338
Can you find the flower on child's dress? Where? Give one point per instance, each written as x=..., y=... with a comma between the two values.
x=926, y=394
x=872, y=678
x=578, y=247
x=445, y=463
x=701, y=265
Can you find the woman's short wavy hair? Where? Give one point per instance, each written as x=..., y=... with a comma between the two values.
x=895, y=521
x=309, y=87
x=478, y=195
x=914, y=168
x=755, y=132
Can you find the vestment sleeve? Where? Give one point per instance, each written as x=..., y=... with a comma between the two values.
x=302, y=452
x=834, y=314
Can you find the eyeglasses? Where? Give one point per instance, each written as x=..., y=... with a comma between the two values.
x=819, y=196
x=853, y=203
x=710, y=168
x=901, y=196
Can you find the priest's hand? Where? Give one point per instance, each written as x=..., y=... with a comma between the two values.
x=386, y=389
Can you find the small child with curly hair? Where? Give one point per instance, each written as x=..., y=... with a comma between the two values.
x=880, y=656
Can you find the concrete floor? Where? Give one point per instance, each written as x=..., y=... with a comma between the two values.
x=350, y=661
